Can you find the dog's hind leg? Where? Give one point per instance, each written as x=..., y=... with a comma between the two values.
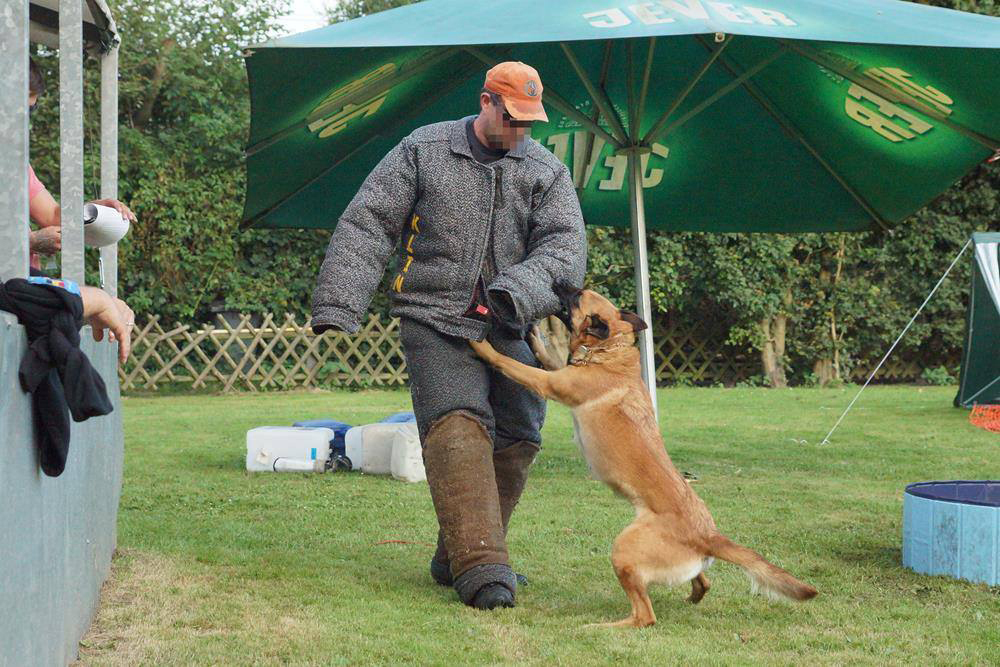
x=626, y=556
x=699, y=586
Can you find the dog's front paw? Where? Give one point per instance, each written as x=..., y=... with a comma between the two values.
x=536, y=339
x=483, y=349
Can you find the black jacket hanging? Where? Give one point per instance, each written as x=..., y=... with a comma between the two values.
x=54, y=369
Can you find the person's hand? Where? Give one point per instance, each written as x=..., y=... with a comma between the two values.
x=102, y=312
x=125, y=211
x=46, y=241
x=129, y=317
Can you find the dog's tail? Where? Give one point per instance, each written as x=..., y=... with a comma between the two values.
x=765, y=577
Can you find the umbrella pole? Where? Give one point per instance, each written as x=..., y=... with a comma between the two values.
x=637, y=213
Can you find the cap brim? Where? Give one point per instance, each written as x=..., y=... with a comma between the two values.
x=523, y=110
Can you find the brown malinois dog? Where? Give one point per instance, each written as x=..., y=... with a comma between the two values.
x=673, y=538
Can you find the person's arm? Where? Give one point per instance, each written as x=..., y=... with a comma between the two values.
x=364, y=239
x=45, y=211
x=104, y=312
x=557, y=249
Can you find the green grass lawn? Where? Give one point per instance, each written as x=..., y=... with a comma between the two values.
x=217, y=566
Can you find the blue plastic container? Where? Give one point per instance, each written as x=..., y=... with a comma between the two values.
x=953, y=528
x=399, y=418
x=339, y=430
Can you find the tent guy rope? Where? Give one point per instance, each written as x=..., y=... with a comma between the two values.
x=961, y=252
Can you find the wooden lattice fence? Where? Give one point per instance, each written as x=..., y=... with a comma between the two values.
x=281, y=353
x=269, y=355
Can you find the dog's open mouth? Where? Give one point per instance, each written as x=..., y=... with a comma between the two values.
x=569, y=298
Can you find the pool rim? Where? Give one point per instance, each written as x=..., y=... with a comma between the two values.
x=912, y=489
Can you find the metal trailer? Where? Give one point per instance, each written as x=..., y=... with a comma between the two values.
x=57, y=535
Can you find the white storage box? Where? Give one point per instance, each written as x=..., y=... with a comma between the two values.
x=407, y=458
x=369, y=447
x=271, y=448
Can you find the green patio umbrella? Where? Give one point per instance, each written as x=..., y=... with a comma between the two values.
x=771, y=116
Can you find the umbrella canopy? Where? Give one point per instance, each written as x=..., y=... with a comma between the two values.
x=772, y=116
x=809, y=115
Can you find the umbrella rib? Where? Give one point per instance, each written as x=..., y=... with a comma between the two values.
x=892, y=94
x=556, y=100
x=646, y=75
x=460, y=78
x=581, y=179
x=630, y=85
x=377, y=88
x=761, y=99
x=662, y=120
x=719, y=94
x=599, y=96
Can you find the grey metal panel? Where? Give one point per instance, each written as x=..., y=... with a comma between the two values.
x=71, y=136
x=57, y=535
x=14, y=130
x=109, y=160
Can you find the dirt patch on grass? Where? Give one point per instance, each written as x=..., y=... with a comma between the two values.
x=156, y=611
x=144, y=596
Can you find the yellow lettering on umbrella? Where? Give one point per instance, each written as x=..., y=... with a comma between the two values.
x=880, y=120
x=339, y=121
x=897, y=78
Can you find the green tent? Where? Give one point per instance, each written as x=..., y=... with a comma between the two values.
x=980, y=381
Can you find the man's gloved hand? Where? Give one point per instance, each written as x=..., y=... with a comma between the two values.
x=503, y=307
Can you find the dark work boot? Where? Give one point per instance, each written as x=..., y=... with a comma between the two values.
x=458, y=457
x=441, y=568
x=492, y=597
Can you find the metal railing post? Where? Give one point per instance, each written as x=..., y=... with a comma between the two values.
x=14, y=130
x=71, y=137
x=109, y=159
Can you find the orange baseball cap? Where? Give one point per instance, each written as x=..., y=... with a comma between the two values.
x=521, y=89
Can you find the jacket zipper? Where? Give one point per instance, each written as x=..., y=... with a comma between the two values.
x=488, y=254
x=491, y=248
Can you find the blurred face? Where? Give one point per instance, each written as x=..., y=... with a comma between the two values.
x=501, y=130
x=32, y=101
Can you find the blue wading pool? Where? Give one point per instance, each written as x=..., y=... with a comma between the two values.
x=953, y=528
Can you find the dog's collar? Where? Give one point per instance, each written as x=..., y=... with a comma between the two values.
x=584, y=355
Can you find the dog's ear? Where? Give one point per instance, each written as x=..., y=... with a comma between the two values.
x=598, y=328
x=633, y=319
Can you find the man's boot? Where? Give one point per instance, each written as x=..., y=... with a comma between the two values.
x=458, y=457
x=511, y=469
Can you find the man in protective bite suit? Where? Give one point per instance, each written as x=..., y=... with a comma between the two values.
x=485, y=220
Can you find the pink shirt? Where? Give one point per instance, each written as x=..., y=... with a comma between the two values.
x=35, y=186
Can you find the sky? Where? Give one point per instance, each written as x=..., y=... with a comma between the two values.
x=306, y=15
